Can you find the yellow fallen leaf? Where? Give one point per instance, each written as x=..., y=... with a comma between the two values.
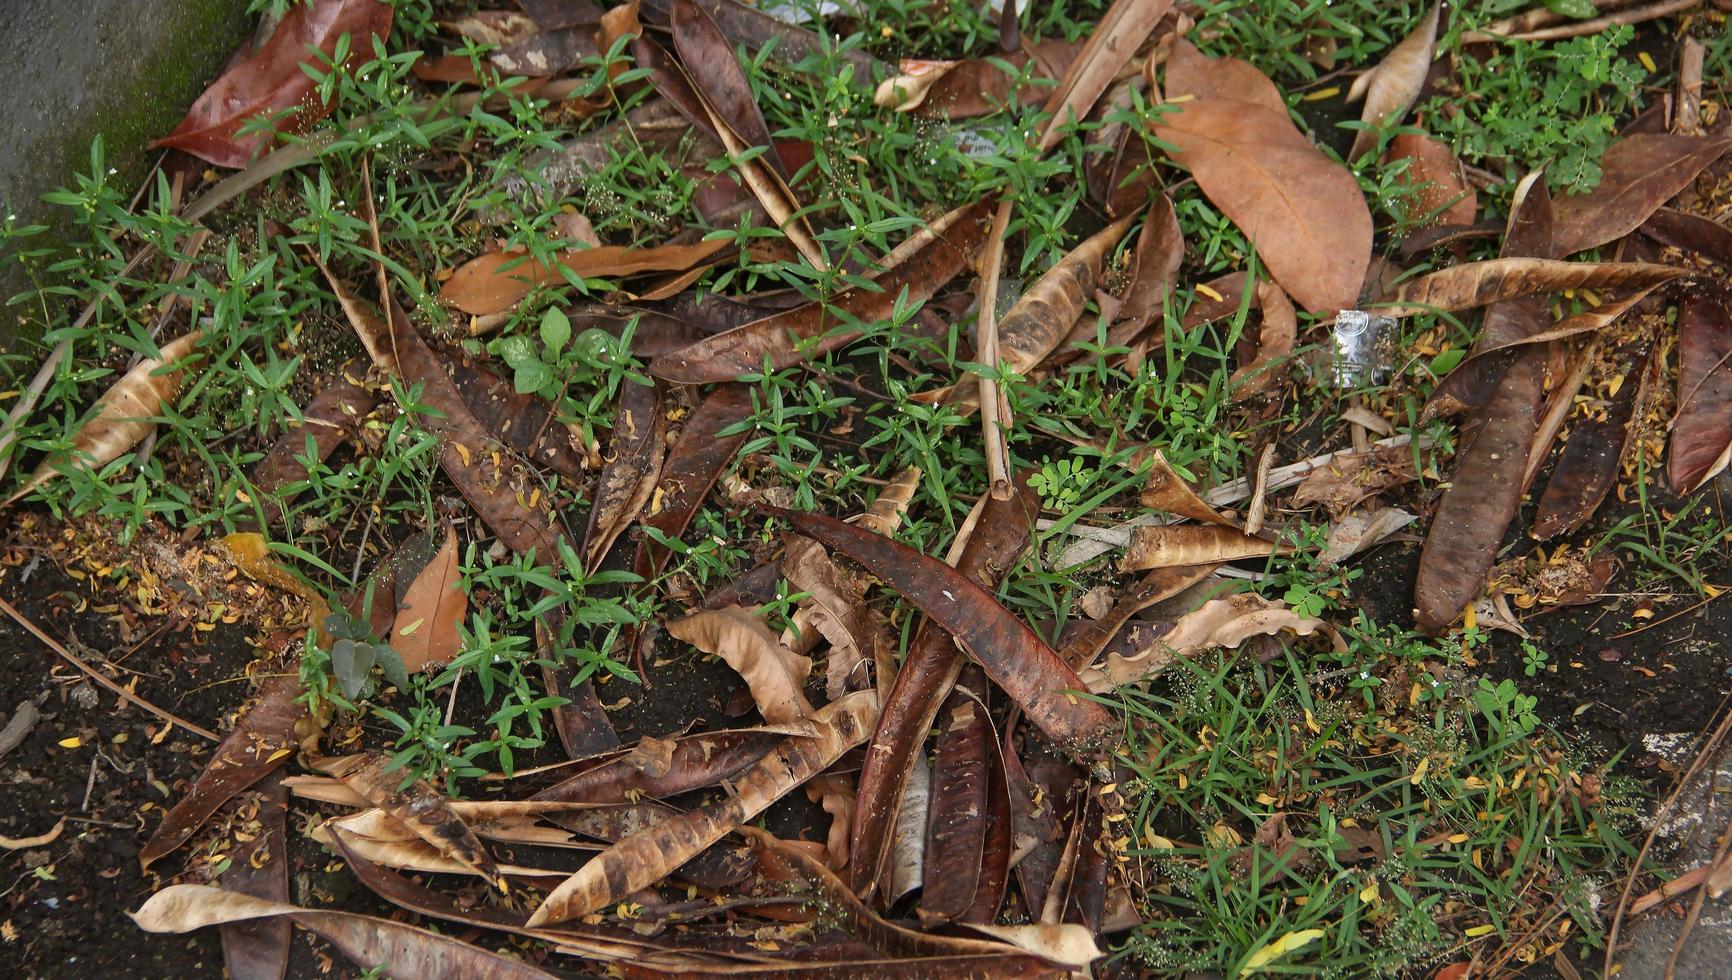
x=1270, y=952
x=71, y=743
x=1368, y=894
x=1478, y=931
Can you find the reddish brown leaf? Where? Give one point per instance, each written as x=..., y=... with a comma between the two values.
x=977, y=87
x=1589, y=463
x=271, y=80
x=997, y=848
x=693, y=464
x=956, y=836
x=1442, y=194
x=1276, y=335
x=497, y=281
x=1302, y=212
x=582, y=723
x=1703, y=236
x=715, y=71
x=259, y=949
x=628, y=478
x=1640, y=173
x=1482, y=497
x=425, y=631
x=1154, y=269
x=1013, y=655
x=524, y=422
x=697, y=762
x=922, y=682
x=264, y=737
x=914, y=272
x=1121, y=31
x=1702, y=427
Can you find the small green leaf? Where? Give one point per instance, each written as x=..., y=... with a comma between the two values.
x=531, y=377
x=350, y=663
x=392, y=664
x=1578, y=9
x=555, y=329
x=1445, y=362
x=517, y=351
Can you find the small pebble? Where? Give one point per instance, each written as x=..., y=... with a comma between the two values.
x=1611, y=655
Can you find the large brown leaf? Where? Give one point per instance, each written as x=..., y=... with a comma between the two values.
x=1704, y=236
x=1044, y=314
x=698, y=761
x=628, y=479
x=642, y=859
x=1192, y=73
x=925, y=677
x=1391, y=88
x=1300, y=210
x=527, y=423
x=914, y=272
x=956, y=836
x=1640, y=173
x=1013, y=655
x=1702, y=427
x=710, y=62
x=1441, y=192
x=1589, y=463
x=366, y=941
x=124, y=414
x=271, y=79
x=1482, y=498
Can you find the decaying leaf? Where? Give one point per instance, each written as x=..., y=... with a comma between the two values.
x=1441, y=190
x=1044, y=314
x=836, y=796
x=366, y=941
x=425, y=631
x=1392, y=87
x=1702, y=426
x=264, y=737
x=271, y=79
x=1167, y=491
x=697, y=761
x=1275, y=340
x=697, y=458
x=329, y=419
x=642, y=859
x=1013, y=655
x=1590, y=460
x=1121, y=31
x=1302, y=212
x=1361, y=530
x=1473, y=284
x=628, y=479
x=497, y=281
x=913, y=272
x=1190, y=73
x=418, y=806
x=1639, y=173
x=259, y=867
x=1216, y=624
x=834, y=610
x=774, y=673
x=974, y=87
x=1084, y=645
x=1171, y=545
x=124, y=414
x=956, y=835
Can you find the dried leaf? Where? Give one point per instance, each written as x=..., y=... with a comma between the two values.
x=1216, y=624
x=425, y=631
x=628, y=478
x=999, y=537
x=259, y=867
x=1704, y=236
x=263, y=738
x=836, y=796
x=1121, y=31
x=124, y=414
x=1167, y=491
x=1013, y=655
x=1473, y=284
x=698, y=457
x=976, y=87
x=1275, y=340
x=1702, y=427
x=272, y=80
x=698, y=761
x=1442, y=194
x=1190, y=73
x=956, y=836
x=1071, y=945
x=1590, y=461
x=1392, y=87
x=1300, y=210
x=418, y=806
x=913, y=273
x=642, y=859
x=907, y=851
x=1360, y=531
x=1639, y=174
x=715, y=72
x=834, y=609
x=1170, y=545
x=497, y=281
x=1085, y=644
x=365, y=940
x=1045, y=313
x=1154, y=269
x=329, y=419
x=525, y=422
x=884, y=515
x=1482, y=499
x=774, y=673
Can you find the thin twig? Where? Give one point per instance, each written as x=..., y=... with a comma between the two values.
x=100, y=677
x=1585, y=27
x=992, y=409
